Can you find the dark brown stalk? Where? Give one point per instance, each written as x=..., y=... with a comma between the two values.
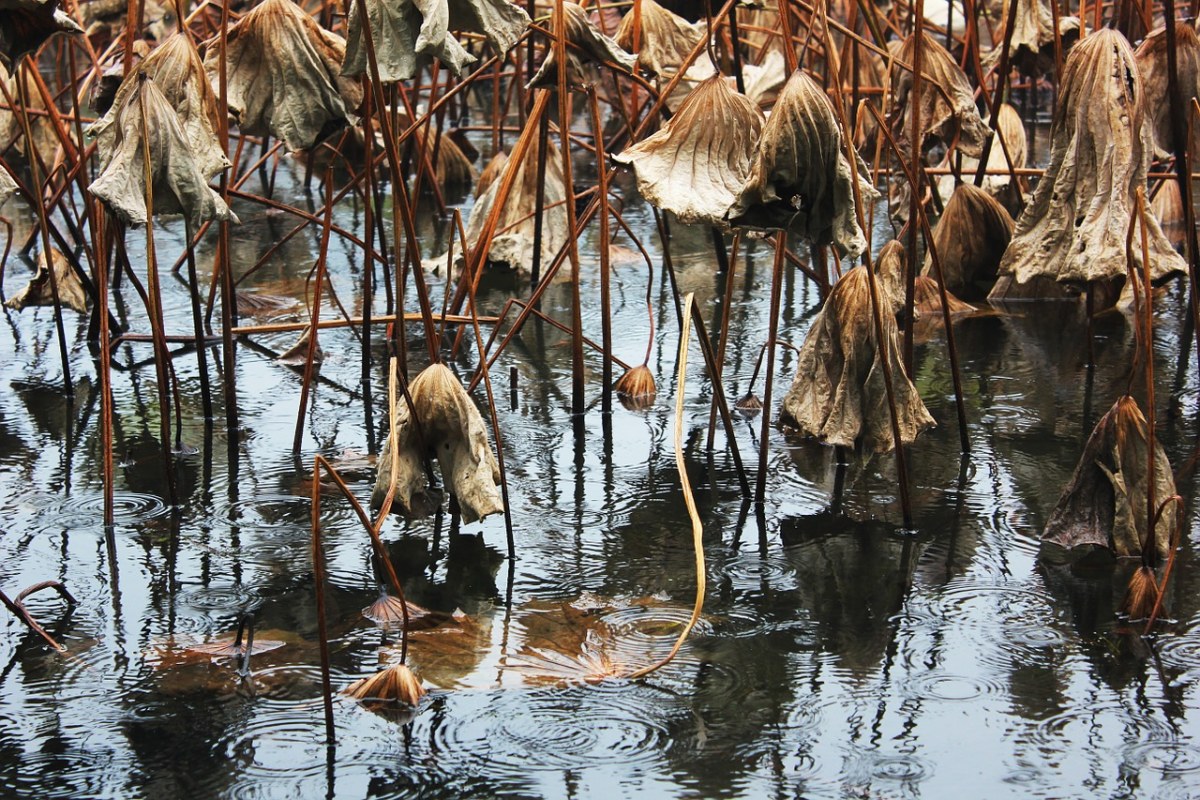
x=20, y=613
x=198, y=325
x=1002, y=85
x=605, y=291
x=315, y=314
x=915, y=175
x=103, y=367
x=1149, y=549
x=318, y=560
x=223, y=267
x=760, y=486
x=1180, y=509
x=539, y=200
x=723, y=336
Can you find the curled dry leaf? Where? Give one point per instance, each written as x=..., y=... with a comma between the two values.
x=584, y=40
x=1032, y=47
x=946, y=103
x=1104, y=505
x=635, y=389
x=177, y=71
x=25, y=25
x=763, y=81
x=1075, y=227
x=8, y=186
x=1151, y=57
x=662, y=39
x=800, y=179
x=927, y=309
x=393, y=684
x=695, y=165
x=452, y=167
x=493, y=170
x=998, y=181
x=12, y=131
x=838, y=395
x=284, y=74
x=179, y=182
x=970, y=237
x=39, y=292
x=1167, y=206
x=449, y=425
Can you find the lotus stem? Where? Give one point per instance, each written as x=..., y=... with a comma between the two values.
x=315, y=314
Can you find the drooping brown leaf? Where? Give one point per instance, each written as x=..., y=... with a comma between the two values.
x=927, y=309
x=179, y=182
x=763, y=81
x=491, y=172
x=8, y=186
x=999, y=181
x=946, y=102
x=1032, y=47
x=1151, y=57
x=662, y=40
x=838, y=395
x=1075, y=227
x=393, y=684
x=26, y=24
x=297, y=354
x=970, y=238
x=695, y=165
x=453, y=169
x=452, y=429
x=800, y=179
x=284, y=74
x=12, y=131
x=635, y=389
x=593, y=45
x=1167, y=206
x=39, y=292
x=1104, y=505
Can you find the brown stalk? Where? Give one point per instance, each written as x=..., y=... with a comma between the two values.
x=760, y=486
x=315, y=315
x=914, y=176
x=318, y=561
x=1180, y=510
x=223, y=268
x=605, y=267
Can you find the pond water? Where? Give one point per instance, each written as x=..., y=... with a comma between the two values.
x=839, y=655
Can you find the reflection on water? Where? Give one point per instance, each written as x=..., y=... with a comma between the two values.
x=838, y=655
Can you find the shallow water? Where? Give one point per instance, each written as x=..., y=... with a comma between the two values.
x=839, y=655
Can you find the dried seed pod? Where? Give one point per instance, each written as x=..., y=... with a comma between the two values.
x=946, y=103
x=395, y=684
x=595, y=46
x=179, y=182
x=449, y=425
x=800, y=179
x=25, y=25
x=970, y=238
x=39, y=292
x=284, y=74
x=1104, y=505
x=1151, y=57
x=1075, y=227
x=695, y=165
x=635, y=389
x=838, y=395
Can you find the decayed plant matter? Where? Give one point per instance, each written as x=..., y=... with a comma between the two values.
x=695, y=165
x=1032, y=43
x=180, y=185
x=1075, y=227
x=946, y=102
x=1104, y=505
x=284, y=74
x=1151, y=57
x=405, y=32
x=39, y=292
x=801, y=179
x=446, y=422
x=839, y=395
x=969, y=238
x=26, y=24
x=592, y=44
x=662, y=40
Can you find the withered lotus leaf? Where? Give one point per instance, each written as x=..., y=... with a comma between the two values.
x=26, y=24
x=1167, y=206
x=763, y=81
x=839, y=395
x=1151, y=58
x=1032, y=43
x=800, y=179
x=1104, y=505
x=449, y=425
x=970, y=238
x=662, y=41
x=946, y=102
x=178, y=72
x=636, y=389
x=396, y=683
x=491, y=172
x=283, y=73
x=1010, y=147
x=1074, y=229
x=8, y=186
x=591, y=43
x=39, y=292
x=695, y=165
x=179, y=184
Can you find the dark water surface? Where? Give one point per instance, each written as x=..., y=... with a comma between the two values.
x=838, y=655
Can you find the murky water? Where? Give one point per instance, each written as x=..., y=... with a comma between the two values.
x=839, y=655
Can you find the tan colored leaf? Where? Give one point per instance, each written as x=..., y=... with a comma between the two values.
x=179, y=184
x=395, y=684
x=8, y=186
x=662, y=40
x=1104, y=505
x=635, y=389
x=1032, y=48
x=946, y=103
x=284, y=74
x=493, y=170
x=838, y=395
x=450, y=427
x=970, y=238
x=592, y=45
x=695, y=165
x=998, y=180
x=39, y=292
x=800, y=179
x=1075, y=227
x=1167, y=206
x=1151, y=57
x=25, y=25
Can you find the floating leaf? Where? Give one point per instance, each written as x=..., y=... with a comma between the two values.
x=39, y=292
x=591, y=43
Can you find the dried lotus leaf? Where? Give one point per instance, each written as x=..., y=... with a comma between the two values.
x=8, y=186
x=491, y=173
x=1104, y=504
x=838, y=395
x=695, y=165
x=970, y=239
x=451, y=427
x=801, y=179
x=179, y=184
x=1074, y=229
x=1151, y=57
x=1031, y=49
x=396, y=684
x=25, y=25
x=999, y=181
x=662, y=39
x=283, y=74
x=946, y=103
x=39, y=292
x=1167, y=207
x=591, y=43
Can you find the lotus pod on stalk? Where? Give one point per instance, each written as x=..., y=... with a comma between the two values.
x=695, y=165
x=591, y=43
x=801, y=179
x=25, y=25
x=970, y=238
x=451, y=427
x=1151, y=57
x=406, y=32
x=1075, y=227
x=1031, y=47
x=1104, y=505
x=177, y=71
x=839, y=395
x=283, y=72
x=946, y=103
x=39, y=291
x=180, y=185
